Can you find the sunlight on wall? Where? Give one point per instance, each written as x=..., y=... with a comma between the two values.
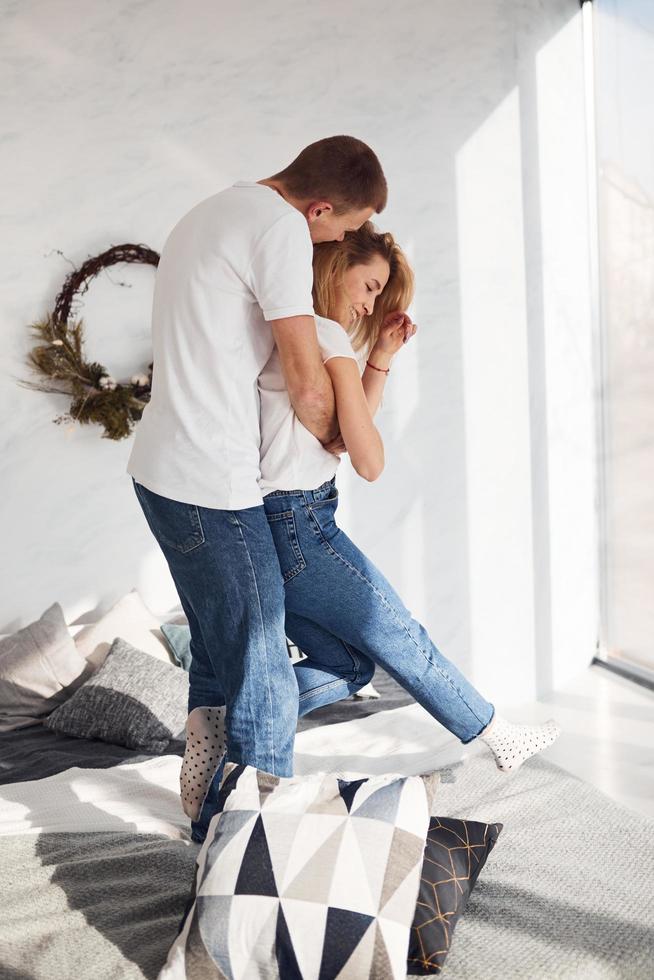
x=496, y=403
x=624, y=61
x=567, y=337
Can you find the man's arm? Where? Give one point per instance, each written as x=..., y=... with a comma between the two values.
x=309, y=385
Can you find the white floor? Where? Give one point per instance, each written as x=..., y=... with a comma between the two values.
x=608, y=734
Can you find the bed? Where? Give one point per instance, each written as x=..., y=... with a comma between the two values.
x=97, y=863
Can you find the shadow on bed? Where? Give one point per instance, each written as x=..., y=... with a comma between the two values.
x=131, y=888
x=128, y=888
x=11, y=973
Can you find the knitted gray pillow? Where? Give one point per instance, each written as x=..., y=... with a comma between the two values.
x=133, y=699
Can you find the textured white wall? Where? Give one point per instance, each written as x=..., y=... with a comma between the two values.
x=119, y=117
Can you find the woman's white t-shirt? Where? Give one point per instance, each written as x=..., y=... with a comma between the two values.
x=291, y=456
x=235, y=261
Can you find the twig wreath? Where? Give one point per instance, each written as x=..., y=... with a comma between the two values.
x=60, y=358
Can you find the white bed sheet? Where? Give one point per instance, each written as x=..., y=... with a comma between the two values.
x=143, y=797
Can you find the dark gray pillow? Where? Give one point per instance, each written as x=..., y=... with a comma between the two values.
x=133, y=699
x=455, y=852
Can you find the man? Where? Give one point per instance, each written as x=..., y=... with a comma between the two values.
x=235, y=278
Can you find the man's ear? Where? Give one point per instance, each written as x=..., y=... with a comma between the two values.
x=317, y=209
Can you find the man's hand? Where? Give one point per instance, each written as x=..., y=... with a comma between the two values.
x=335, y=446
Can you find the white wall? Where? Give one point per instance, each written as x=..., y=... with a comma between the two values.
x=119, y=117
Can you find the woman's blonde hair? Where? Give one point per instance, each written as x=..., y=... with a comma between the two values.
x=332, y=259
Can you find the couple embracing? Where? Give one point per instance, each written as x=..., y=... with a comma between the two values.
x=277, y=312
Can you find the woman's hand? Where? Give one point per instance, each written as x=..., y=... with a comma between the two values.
x=396, y=330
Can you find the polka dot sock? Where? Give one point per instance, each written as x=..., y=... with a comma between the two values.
x=205, y=746
x=512, y=744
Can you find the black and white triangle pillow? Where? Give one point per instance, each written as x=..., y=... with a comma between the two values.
x=313, y=876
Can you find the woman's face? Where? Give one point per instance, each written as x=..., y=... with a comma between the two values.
x=360, y=287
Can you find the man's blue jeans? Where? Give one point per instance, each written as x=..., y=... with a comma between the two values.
x=225, y=568
x=346, y=617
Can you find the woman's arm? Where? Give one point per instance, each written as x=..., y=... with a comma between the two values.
x=396, y=330
x=374, y=381
x=362, y=440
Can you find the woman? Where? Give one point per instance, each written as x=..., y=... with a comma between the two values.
x=340, y=610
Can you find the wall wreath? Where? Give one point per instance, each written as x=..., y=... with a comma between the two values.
x=60, y=357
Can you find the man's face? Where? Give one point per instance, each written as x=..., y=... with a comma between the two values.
x=325, y=226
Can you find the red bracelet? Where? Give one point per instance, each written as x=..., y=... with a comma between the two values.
x=383, y=370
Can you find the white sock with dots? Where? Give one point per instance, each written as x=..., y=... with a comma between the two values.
x=512, y=744
x=205, y=746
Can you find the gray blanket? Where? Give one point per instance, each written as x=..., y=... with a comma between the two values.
x=566, y=893
x=90, y=906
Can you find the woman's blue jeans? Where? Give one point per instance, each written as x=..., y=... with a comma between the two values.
x=346, y=617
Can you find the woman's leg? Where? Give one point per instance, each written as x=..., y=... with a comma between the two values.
x=333, y=669
x=330, y=582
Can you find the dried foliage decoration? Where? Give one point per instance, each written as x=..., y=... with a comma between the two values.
x=60, y=358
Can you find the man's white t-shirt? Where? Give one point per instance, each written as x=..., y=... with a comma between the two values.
x=291, y=456
x=236, y=260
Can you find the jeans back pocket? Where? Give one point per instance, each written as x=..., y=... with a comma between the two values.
x=284, y=534
x=173, y=523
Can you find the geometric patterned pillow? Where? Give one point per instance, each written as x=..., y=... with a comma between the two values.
x=455, y=853
x=306, y=877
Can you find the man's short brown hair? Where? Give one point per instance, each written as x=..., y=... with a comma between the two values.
x=340, y=169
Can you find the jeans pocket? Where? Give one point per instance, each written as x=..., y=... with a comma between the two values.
x=323, y=515
x=173, y=523
x=284, y=534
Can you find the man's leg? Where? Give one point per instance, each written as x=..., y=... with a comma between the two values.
x=225, y=566
x=204, y=688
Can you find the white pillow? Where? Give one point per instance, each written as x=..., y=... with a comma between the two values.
x=129, y=619
x=40, y=668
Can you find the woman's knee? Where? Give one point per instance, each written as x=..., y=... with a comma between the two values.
x=366, y=671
